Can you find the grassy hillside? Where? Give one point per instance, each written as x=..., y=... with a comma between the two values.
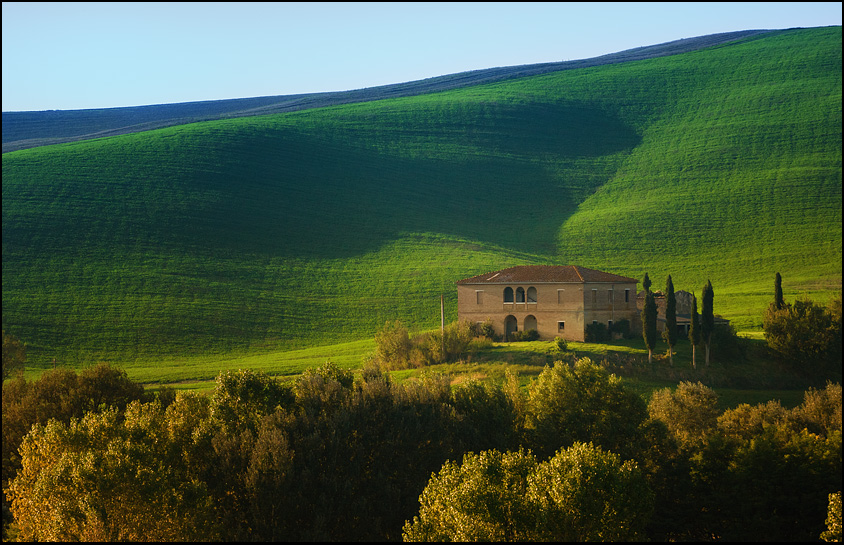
x=22, y=130
x=256, y=234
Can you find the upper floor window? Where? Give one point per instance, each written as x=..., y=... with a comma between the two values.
x=520, y=295
x=531, y=295
x=508, y=295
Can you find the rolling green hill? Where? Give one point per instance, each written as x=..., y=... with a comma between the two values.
x=23, y=130
x=254, y=234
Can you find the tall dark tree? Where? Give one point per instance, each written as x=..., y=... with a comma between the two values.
x=670, y=332
x=707, y=319
x=694, y=329
x=649, y=315
x=779, y=302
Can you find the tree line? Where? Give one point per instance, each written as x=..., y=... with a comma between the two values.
x=328, y=456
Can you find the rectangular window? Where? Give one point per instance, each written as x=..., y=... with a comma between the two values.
x=479, y=297
x=609, y=325
x=609, y=296
x=560, y=296
x=594, y=296
x=561, y=326
x=627, y=296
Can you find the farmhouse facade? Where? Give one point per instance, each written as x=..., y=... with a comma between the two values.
x=554, y=300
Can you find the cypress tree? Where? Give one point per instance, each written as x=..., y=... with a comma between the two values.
x=779, y=302
x=707, y=318
x=649, y=314
x=694, y=329
x=670, y=333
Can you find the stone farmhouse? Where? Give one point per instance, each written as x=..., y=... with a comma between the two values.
x=556, y=301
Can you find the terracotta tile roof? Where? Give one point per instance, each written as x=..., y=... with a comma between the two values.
x=545, y=273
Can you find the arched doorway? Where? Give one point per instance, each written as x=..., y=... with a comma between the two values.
x=510, y=326
x=530, y=322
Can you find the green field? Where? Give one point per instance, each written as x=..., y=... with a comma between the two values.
x=228, y=243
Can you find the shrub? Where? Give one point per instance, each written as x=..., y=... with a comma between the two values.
x=393, y=346
x=597, y=333
x=524, y=336
x=622, y=327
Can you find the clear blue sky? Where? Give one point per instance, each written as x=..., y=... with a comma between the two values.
x=69, y=55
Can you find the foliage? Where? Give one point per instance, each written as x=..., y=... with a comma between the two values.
x=484, y=498
x=622, y=327
x=707, y=318
x=59, y=394
x=392, y=346
x=805, y=335
x=779, y=300
x=649, y=317
x=103, y=478
x=669, y=334
x=833, y=519
x=582, y=402
x=14, y=355
x=242, y=397
x=586, y=494
x=335, y=457
x=581, y=494
x=690, y=412
x=597, y=333
x=524, y=336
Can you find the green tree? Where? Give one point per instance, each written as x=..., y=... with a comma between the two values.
x=833, y=519
x=392, y=346
x=805, y=335
x=670, y=332
x=241, y=397
x=694, y=330
x=646, y=283
x=14, y=355
x=649, y=330
x=583, y=493
x=690, y=412
x=582, y=402
x=707, y=318
x=779, y=302
x=484, y=498
x=107, y=478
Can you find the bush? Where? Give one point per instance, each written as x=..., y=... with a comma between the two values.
x=597, y=333
x=524, y=336
x=622, y=327
x=393, y=346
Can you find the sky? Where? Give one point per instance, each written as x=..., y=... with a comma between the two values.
x=80, y=55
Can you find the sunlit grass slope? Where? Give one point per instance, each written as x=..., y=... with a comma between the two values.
x=258, y=234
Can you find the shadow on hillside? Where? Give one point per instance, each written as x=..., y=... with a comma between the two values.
x=507, y=175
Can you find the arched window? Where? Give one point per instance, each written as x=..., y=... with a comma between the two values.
x=520, y=295
x=531, y=295
x=508, y=295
